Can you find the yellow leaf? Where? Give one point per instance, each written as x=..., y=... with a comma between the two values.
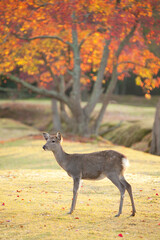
x=147, y=96
x=138, y=81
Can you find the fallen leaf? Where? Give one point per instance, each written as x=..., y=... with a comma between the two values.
x=3, y=204
x=120, y=235
x=149, y=198
x=76, y=217
x=157, y=194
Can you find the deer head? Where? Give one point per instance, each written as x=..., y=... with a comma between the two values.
x=53, y=141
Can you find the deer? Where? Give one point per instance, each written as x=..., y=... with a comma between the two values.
x=91, y=166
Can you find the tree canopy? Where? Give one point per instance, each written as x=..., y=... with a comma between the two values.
x=66, y=44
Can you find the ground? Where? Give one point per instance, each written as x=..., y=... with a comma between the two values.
x=124, y=124
x=35, y=196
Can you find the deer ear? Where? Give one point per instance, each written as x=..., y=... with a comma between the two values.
x=59, y=136
x=46, y=136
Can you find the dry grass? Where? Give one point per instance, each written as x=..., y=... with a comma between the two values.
x=34, y=201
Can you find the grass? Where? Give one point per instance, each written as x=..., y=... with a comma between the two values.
x=35, y=196
x=11, y=129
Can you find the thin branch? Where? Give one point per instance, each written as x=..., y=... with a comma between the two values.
x=125, y=71
x=85, y=38
x=5, y=39
x=70, y=72
x=48, y=67
x=130, y=62
x=41, y=91
x=125, y=41
x=8, y=89
x=44, y=37
x=134, y=63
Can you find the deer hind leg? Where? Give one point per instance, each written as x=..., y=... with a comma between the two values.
x=129, y=190
x=115, y=180
x=76, y=183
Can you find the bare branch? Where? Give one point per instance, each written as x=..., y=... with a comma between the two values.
x=129, y=62
x=125, y=71
x=125, y=41
x=8, y=89
x=85, y=38
x=97, y=90
x=134, y=63
x=48, y=67
x=5, y=39
x=44, y=37
x=41, y=91
x=70, y=72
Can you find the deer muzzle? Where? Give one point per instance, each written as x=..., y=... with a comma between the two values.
x=44, y=147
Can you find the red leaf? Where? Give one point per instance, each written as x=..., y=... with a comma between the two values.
x=76, y=217
x=17, y=195
x=120, y=235
x=3, y=204
x=156, y=194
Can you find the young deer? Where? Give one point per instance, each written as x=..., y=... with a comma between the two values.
x=91, y=166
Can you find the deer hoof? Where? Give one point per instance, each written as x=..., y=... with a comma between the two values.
x=117, y=215
x=70, y=212
x=133, y=214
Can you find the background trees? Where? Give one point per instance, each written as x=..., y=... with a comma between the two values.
x=55, y=44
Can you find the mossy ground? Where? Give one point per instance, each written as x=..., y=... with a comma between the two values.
x=35, y=196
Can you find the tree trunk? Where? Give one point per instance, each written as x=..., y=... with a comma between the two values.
x=107, y=97
x=97, y=89
x=155, y=144
x=56, y=117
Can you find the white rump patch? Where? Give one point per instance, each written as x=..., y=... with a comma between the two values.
x=125, y=162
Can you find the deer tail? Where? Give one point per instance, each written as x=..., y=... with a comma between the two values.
x=125, y=163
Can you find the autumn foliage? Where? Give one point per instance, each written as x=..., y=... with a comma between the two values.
x=57, y=43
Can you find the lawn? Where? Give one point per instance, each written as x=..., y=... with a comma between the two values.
x=35, y=196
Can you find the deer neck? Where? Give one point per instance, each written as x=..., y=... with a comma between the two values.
x=60, y=156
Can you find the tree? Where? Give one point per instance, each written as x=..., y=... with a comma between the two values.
x=155, y=144
x=55, y=44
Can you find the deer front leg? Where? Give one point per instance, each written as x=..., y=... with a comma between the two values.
x=76, y=183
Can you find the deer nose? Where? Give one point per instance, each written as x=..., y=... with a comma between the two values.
x=44, y=147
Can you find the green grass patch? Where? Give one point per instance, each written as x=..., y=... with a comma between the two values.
x=35, y=196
